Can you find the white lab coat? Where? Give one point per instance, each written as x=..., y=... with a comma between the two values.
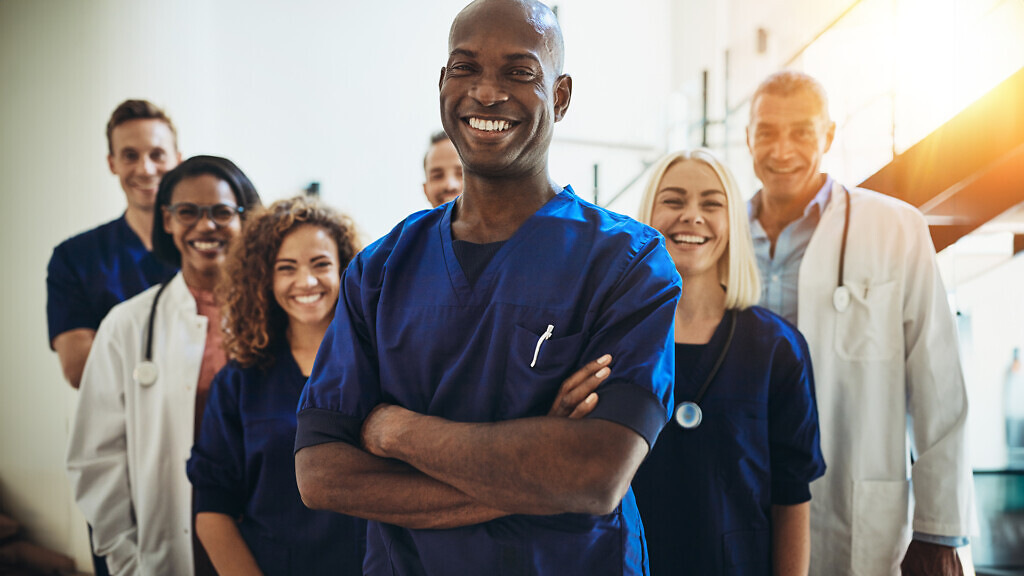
x=129, y=443
x=889, y=358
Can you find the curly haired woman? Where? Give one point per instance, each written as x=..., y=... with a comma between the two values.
x=278, y=293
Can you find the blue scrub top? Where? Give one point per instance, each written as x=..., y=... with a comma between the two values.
x=91, y=273
x=411, y=330
x=705, y=494
x=242, y=466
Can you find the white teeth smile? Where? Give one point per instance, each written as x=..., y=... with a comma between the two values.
x=206, y=244
x=309, y=299
x=490, y=125
x=688, y=239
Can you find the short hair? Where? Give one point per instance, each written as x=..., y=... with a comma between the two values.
x=245, y=195
x=737, y=268
x=254, y=323
x=137, y=110
x=439, y=136
x=788, y=83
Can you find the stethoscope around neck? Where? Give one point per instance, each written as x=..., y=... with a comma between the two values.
x=146, y=372
x=841, y=295
x=688, y=414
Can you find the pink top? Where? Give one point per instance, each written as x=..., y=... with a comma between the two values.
x=214, y=357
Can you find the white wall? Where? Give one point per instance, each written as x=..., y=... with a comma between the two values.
x=344, y=93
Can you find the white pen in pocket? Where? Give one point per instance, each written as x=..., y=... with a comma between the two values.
x=536, y=351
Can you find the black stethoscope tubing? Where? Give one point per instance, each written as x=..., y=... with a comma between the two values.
x=146, y=371
x=688, y=414
x=841, y=296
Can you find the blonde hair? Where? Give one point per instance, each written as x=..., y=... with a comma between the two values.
x=737, y=268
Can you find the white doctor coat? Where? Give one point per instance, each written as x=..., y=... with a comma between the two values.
x=129, y=443
x=890, y=358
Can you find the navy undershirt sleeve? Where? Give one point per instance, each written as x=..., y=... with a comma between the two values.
x=633, y=407
x=320, y=426
x=790, y=493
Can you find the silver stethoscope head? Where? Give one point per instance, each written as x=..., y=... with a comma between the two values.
x=688, y=415
x=146, y=372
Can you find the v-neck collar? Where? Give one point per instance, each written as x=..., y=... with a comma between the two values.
x=696, y=376
x=460, y=284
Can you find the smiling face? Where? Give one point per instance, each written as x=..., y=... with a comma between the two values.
x=787, y=137
x=500, y=91
x=204, y=244
x=690, y=210
x=307, y=276
x=444, y=173
x=142, y=151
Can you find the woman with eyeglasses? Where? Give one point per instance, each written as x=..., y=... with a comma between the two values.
x=726, y=488
x=145, y=383
x=278, y=295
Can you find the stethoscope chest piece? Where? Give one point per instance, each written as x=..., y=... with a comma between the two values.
x=145, y=373
x=688, y=415
x=841, y=298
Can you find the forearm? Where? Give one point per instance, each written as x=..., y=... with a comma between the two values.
x=224, y=544
x=342, y=478
x=73, y=349
x=791, y=539
x=530, y=466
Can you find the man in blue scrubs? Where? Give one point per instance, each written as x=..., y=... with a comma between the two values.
x=427, y=409
x=91, y=272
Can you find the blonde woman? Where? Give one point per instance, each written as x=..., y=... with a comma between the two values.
x=725, y=490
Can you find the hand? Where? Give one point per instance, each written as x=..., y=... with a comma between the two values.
x=926, y=559
x=576, y=398
x=379, y=426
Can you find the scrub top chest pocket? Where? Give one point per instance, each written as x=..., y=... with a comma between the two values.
x=870, y=328
x=539, y=360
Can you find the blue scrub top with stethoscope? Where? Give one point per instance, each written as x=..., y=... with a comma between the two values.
x=705, y=493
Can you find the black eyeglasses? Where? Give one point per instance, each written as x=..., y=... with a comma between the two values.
x=188, y=213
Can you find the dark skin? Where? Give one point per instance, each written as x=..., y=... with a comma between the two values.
x=924, y=559
x=420, y=501
x=501, y=93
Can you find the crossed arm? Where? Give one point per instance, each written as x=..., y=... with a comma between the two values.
x=426, y=472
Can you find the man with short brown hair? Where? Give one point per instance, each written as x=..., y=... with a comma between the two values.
x=91, y=272
x=442, y=169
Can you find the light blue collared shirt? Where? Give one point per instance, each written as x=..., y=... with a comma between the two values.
x=780, y=278
x=780, y=274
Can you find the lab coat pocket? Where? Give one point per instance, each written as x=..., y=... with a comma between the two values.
x=880, y=525
x=535, y=369
x=870, y=328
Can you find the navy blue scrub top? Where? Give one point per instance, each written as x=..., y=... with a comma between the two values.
x=94, y=271
x=242, y=466
x=705, y=494
x=411, y=330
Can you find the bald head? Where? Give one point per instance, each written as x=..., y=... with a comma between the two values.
x=534, y=13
